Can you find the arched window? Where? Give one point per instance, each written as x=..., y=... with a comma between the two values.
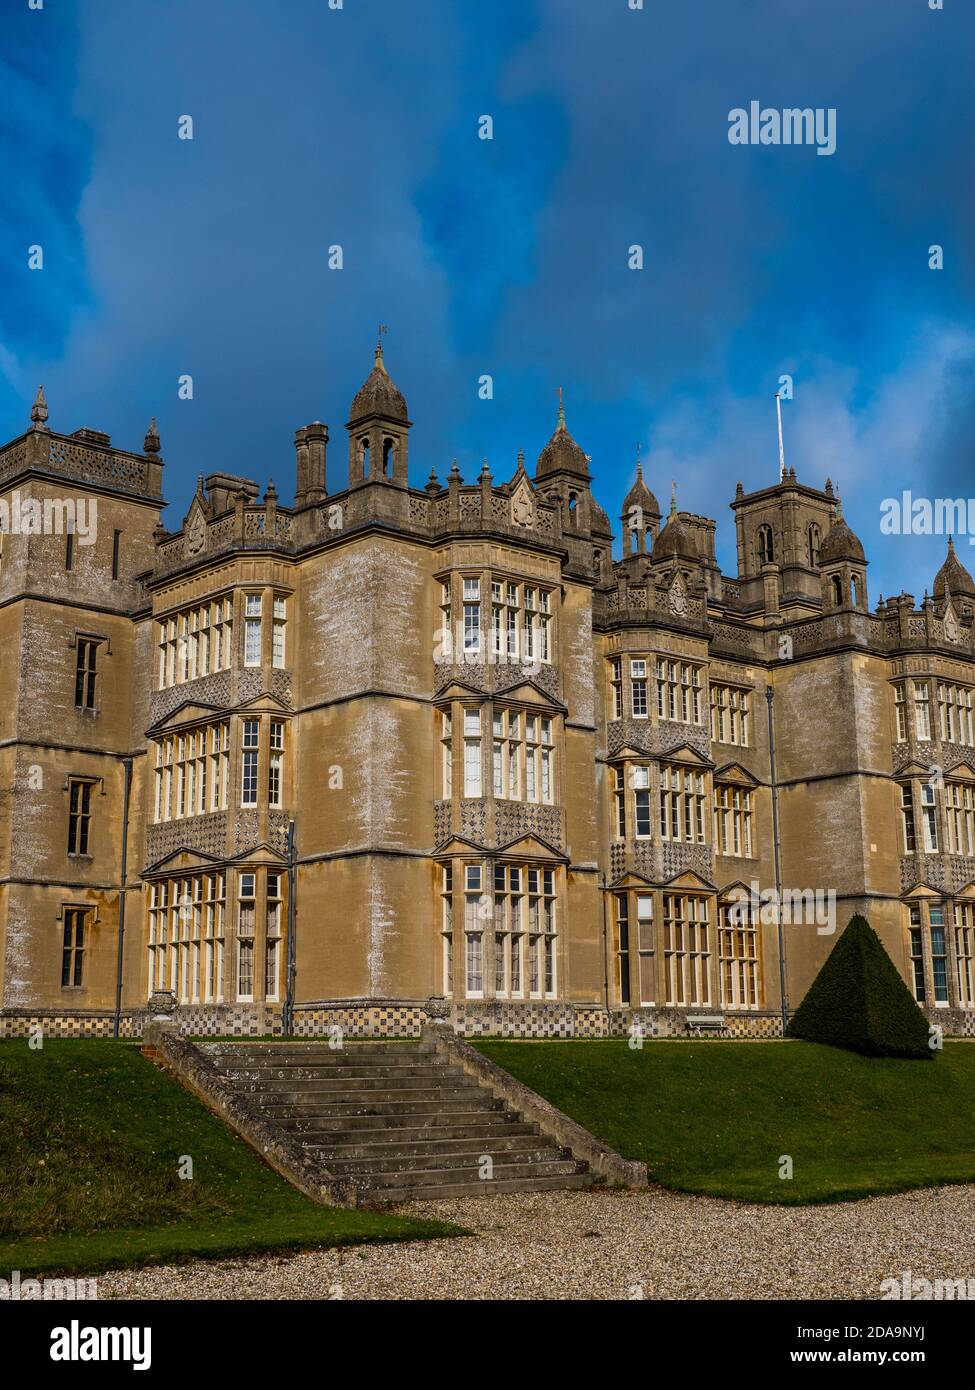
x=837, y=588
x=766, y=546
x=364, y=456
x=813, y=538
x=572, y=509
x=855, y=581
x=387, y=458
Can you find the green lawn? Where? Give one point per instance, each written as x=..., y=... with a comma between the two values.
x=716, y=1116
x=91, y=1139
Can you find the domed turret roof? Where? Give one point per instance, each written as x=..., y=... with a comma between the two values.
x=640, y=496
x=561, y=452
x=378, y=395
x=953, y=576
x=840, y=542
x=675, y=541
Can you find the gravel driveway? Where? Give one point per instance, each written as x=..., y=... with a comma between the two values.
x=611, y=1245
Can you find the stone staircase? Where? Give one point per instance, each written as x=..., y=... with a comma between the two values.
x=397, y=1123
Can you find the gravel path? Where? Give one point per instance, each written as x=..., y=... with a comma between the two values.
x=611, y=1245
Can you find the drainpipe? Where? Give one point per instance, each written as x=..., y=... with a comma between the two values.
x=776, y=850
x=287, y=1020
x=116, y=1023
x=605, y=896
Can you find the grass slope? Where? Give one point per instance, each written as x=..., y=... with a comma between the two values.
x=91, y=1140
x=715, y=1117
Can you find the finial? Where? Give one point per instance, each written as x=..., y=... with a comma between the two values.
x=951, y=545
x=432, y=483
x=454, y=472
x=485, y=471
x=150, y=445
x=38, y=411
x=639, y=464
x=271, y=492
x=521, y=460
x=379, y=347
x=673, y=497
x=740, y=489
x=561, y=424
x=829, y=487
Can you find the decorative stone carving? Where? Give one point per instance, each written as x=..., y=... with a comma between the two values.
x=246, y=831
x=497, y=676
x=473, y=821
x=656, y=740
x=281, y=687
x=523, y=505
x=195, y=536
x=161, y=1004
x=677, y=597
x=515, y=818
x=207, y=690
x=441, y=822
x=681, y=859
x=645, y=859
x=207, y=834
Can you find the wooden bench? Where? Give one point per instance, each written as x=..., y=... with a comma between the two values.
x=705, y=1023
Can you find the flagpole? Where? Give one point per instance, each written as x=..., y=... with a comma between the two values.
x=778, y=411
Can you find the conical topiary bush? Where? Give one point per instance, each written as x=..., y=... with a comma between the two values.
x=859, y=1001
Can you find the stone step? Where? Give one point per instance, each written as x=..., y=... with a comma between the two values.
x=397, y=1126
x=372, y=1102
x=435, y=1192
x=415, y=1142
x=342, y=1081
x=505, y=1162
x=349, y=1071
x=396, y=1122
x=339, y=1117
x=317, y=1054
x=381, y=1064
x=440, y=1176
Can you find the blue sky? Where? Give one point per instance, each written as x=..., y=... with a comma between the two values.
x=359, y=127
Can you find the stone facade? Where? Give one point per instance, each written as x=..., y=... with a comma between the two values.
x=529, y=785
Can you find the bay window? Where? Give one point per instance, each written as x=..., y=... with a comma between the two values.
x=681, y=804
x=472, y=752
x=738, y=957
x=253, y=626
x=687, y=952
x=248, y=772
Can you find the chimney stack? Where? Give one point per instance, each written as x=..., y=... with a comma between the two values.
x=310, y=445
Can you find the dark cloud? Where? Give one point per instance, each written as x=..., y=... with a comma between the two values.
x=358, y=127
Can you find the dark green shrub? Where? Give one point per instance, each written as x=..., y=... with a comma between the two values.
x=859, y=1001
